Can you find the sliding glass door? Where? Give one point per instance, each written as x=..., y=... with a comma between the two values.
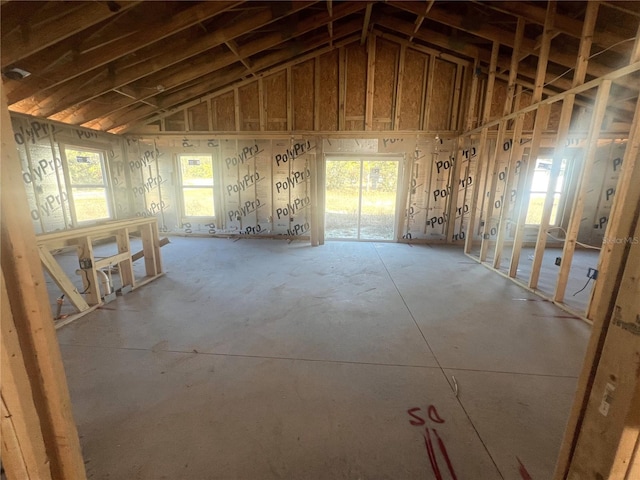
x=361, y=198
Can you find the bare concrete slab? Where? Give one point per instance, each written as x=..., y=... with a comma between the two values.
x=259, y=359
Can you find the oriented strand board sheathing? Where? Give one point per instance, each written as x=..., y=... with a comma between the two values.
x=529, y=118
x=384, y=84
x=412, y=87
x=303, y=95
x=356, y=86
x=444, y=77
x=249, y=107
x=223, y=113
x=498, y=99
x=175, y=122
x=328, y=92
x=275, y=101
x=554, y=116
x=198, y=117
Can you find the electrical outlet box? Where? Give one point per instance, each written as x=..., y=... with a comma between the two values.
x=85, y=263
x=592, y=273
x=558, y=261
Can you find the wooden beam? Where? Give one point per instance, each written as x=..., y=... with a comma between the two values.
x=60, y=278
x=330, y=24
x=524, y=191
x=29, y=304
x=621, y=72
x=613, y=257
x=599, y=110
x=148, y=34
x=473, y=98
x=369, y=95
x=564, y=24
x=488, y=213
x=488, y=99
x=316, y=93
x=233, y=46
x=513, y=70
x=482, y=148
x=515, y=156
x=214, y=85
x=77, y=91
x=365, y=23
x=561, y=140
x=504, y=37
x=397, y=101
x=545, y=48
x=342, y=88
x=421, y=18
x=23, y=450
x=16, y=46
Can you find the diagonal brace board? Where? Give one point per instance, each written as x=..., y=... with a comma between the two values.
x=60, y=277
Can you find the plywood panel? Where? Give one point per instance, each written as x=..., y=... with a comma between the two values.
x=529, y=118
x=444, y=77
x=249, y=107
x=303, y=95
x=499, y=98
x=554, y=116
x=356, y=87
x=412, y=86
x=175, y=122
x=198, y=117
x=384, y=84
x=223, y=113
x=328, y=92
x=275, y=101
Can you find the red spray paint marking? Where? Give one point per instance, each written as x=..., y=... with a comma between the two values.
x=418, y=421
x=443, y=449
x=523, y=471
x=432, y=456
x=433, y=414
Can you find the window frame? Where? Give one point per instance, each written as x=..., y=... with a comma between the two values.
x=560, y=193
x=70, y=186
x=182, y=187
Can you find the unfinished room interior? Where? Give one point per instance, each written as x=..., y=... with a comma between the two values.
x=320, y=240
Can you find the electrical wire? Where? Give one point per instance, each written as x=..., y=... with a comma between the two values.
x=585, y=286
x=564, y=239
x=571, y=69
x=86, y=275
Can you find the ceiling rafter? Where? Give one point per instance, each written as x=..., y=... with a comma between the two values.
x=504, y=37
x=16, y=47
x=69, y=94
x=148, y=34
x=206, y=66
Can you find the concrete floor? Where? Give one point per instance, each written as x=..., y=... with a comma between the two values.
x=259, y=359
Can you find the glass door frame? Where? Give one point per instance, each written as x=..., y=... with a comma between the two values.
x=364, y=157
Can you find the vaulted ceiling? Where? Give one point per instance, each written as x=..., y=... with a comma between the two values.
x=103, y=64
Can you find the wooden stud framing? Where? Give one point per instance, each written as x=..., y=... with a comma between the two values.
x=61, y=279
x=613, y=257
x=371, y=69
x=542, y=117
x=486, y=110
x=29, y=304
x=545, y=47
x=578, y=205
x=262, y=113
x=453, y=197
x=457, y=94
x=513, y=70
x=398, y=96
x=23, y=451
x=561, y=139
x=428, y=94
x=236, y=108
x=342, y=87
x=488, y=213
x=473, y=100
x=515, y=156
x=289, y=87
x=365, y=23
x=468, y=245
x=316, y=94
